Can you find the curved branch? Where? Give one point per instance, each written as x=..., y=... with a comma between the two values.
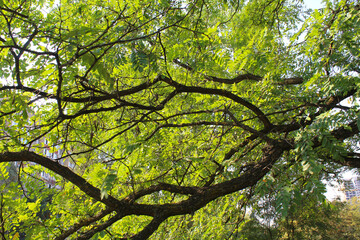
x=346, y=132
x=14, y=12
x=241, y=77
x=324, y=106
x=83, y=223
x=86, y=187
x=200, y=196
x=220, y=92
x=349, y=161
x=149, y=229
x=237, y=79
x=114, y=95
x=100, y=227
x=204, y=195
x=164, y=187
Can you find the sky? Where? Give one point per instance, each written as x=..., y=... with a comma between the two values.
x=314, y=4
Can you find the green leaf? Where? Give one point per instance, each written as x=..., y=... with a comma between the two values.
x=130, y=148
x=137, y=170
x=107, y=185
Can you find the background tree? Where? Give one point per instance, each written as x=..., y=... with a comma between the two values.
x=310, y=220
x=350, y=216
x=167, y=108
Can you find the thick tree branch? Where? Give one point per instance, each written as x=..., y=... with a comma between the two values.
x=66, y=173
x=164, y=187
x=14, y=12
x=324, y=105
x=149, y=229
x=271, y=153
x=241, y=77
x=199, y=198
x=346, y=132
x=110, y=96
x=237, y=79
x=220, y=92
x=350, y=161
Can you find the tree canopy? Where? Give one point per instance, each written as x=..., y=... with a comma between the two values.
x=173, y=114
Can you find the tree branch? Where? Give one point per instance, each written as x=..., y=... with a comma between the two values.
x=83, y=223
x=220, y=92
x=66, y=173
x=241, y=77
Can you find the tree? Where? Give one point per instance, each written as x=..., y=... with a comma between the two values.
x=350, y=217
x=309, y=220
x=170, y=109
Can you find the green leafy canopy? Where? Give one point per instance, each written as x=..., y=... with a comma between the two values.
x=145, y=119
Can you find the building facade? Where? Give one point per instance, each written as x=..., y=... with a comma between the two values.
x=351, y=188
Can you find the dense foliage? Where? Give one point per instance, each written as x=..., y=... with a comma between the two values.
x=309, y=220
x=172, y=116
